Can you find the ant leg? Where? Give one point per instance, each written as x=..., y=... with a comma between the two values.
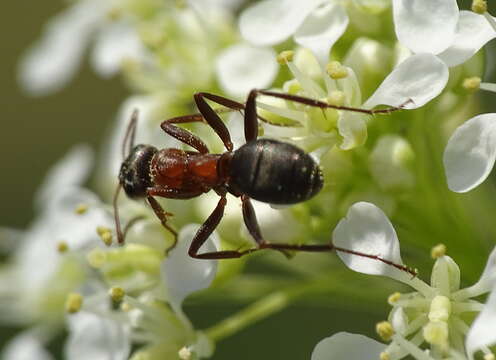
x=162, y=215
x=184, y=136
x=324, y=105
x=250, y=218
x=206, y=230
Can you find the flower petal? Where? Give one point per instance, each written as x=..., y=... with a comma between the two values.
x=425, y=25
x=470, y=153
x=353, y=128
x=321, y=29
x=95, y=337
x=51, y=62
x=367, y=229
x=270, y=22
x=115, y=43
x=243, y=67
x=183, y=274
x=25, y=347
x=481, y=334
x=72, y=170
x=420, y=78
x=472, y=33
x=347, y=346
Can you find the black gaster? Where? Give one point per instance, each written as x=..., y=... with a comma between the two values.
x=274, y=172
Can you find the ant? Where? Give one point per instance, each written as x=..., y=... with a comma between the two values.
x=266, y=170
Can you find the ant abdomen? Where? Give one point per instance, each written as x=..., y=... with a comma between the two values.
x=274, y=172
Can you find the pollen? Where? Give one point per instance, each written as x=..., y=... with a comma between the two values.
x=393, y=298
x=105, y=234
x=81, y=209
x=336, y=71
x=62, y=247
x=472, y=83
x=116, y=294
x=385, y=330
x=479, y=6
x=438, y=251
x=285, y=56
x=73, y=303
x=384, y=356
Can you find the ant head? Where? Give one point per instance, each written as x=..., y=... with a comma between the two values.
x=134, y=175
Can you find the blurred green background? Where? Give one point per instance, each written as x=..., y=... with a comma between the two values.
x=36, y=132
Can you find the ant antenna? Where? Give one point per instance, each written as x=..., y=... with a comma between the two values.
x=128, y=138
x=130, y=134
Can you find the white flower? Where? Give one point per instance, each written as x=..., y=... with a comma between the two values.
x=433, y=314
x=315, y=24
x=470, y=153
x=52, y=62
x=439, y=28
x=413, y=83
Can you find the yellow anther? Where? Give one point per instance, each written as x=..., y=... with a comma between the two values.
x=472, y=83
x=393, y=298
x=96, y=258
x=73, y=303
x=384, y=356
x=62, y=247
x=105, y=234
x=185, y=353
x=385, y=330
x=438, y=251
x=336, y=98
x=116, y=294
x=436, y=333
x=489, y=356
x=285, y=56
x=479, y=6
x=336, y=71
x=81, y=209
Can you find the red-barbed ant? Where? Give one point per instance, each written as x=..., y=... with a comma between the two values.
x=266, y=170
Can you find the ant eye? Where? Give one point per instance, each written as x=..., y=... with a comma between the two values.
x=134, y=175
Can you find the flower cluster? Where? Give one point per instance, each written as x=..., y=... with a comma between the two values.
x=374, y=90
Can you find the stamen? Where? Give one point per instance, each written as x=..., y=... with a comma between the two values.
x=385, y=330
x=62, y=247
x=438, y=251
x=384, y=356
x=285, y=56
x=105, y=234
x=479, y=6
x=336, y=71
x=116, y=294
x=393, y=298
x=472, y=84
x=81, y=209
x=73, y=303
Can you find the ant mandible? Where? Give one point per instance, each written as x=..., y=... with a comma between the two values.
x=266, y=170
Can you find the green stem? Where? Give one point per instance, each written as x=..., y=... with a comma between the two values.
x=261, y=309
